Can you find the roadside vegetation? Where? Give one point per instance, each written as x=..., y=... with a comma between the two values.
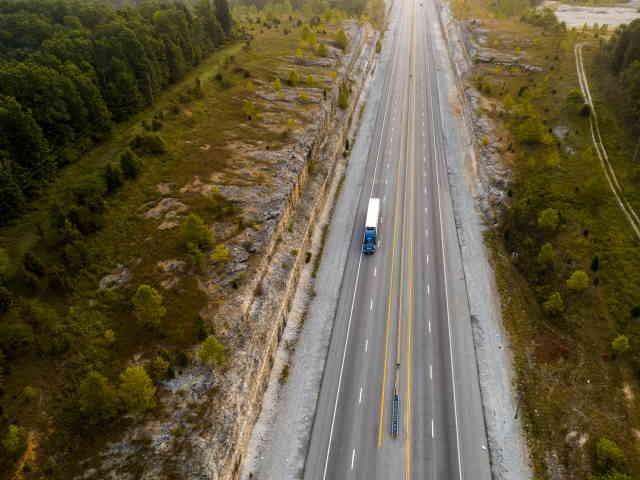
x=108, y=240
x=566, y=259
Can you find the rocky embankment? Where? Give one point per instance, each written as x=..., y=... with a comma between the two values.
x=207, y=415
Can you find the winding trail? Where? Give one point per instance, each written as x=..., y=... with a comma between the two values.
x=609, y=172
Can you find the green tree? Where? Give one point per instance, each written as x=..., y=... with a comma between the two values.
x=13, y=441
x=113, y=177
x=342, y=40
x=554, y=305
x=211, y=352
x=549, y=219
x=147, y=305
x=609, y=455
x=620, y=345
x=136, y=390
x=322, y=50
x=130, y=164
x=159, y=367
x=547, y=256
x=293, y=79
x=224, y=15
x=220, y=253
x=578, y=281
x=97, y=399
x=277, y=85
x=249, y=109
x=195, y=231
x=531, y=131
x=343, y=96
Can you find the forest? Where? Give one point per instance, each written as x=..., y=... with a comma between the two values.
x=623, y=52
x=71, y=69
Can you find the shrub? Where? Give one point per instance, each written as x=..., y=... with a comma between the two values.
x=97, y=399
x=195, y=231
x=30, y=393
x=159, y=367
x=620, y=345
x=197, y=256
x=136, y=390
x=147, y=305
x=303, y=97
x=548, y=219
x=322, y=51
x=309, y=81
x=585, y=111
x=547, y=256
x=33, y=264
x=149, y=143
x=5, y=262
x=554, y=305
x=609, y=456
x=293, y=79
x=130, y=164
x=343, y=96
x=6, y=300
x=15, y=337
x=579, y=281
x=249, y=109
x=378, y=46
x=531, y=131
x=277, y=85
x=113, y=177
x=220, y=253
x=13, y=441
x=211, y=352
x=342, y=40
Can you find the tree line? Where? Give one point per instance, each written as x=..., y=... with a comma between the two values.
x=623, y=52
x=70, y=69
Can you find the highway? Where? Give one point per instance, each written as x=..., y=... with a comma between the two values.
x=402, y=325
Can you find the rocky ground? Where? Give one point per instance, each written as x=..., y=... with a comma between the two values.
x=207, y=417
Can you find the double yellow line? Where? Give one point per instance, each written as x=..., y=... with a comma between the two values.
x=407, y=163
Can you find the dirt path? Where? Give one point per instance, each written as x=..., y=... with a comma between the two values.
x=609, y=172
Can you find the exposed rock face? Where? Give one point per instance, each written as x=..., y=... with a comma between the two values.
x=119, y=277
x=214, y=412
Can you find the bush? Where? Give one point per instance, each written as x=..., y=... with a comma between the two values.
x=113, y=177
x=97, y=399
x=195, y=231
x=15, y=337
x=220, y=253
x=13, y=441
x=147, y=305
x=33, y=264
x=293, y=79
x=378, y=46
x=547, y=256
x=249, y=109
x=554, y=305
x=211, y=352
x=277, y=85
x=136, y=390
x=549, y=219
x=342, y=40
x=322, y=51
x=130, y=164
x=620, y=345
x=579, y=281
x=309, y=80
x=5, y=262
x=531, y=131
x=149, y=144
x=159, y=367
x=343, y=96
x=30, y=393
x=6, y=300
x=609, y=456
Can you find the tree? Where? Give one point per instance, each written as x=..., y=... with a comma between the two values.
x=620, y=345
x=13, y=441
x=547, y=256
x=224, y=15
x=113, y=177
x=136, y=390
x=548, y=219
x=130, y=164
x=554, y=305
x=609, y=455
x=531, y=131
x=342, y=40
x=147, y=304
x=220, y=253
x=249, y=109
x=211, y=352
x=97, y=399
x=277, y=85
x=195, y=231
x=159, y=367
x=293, y=78
x=322, y=51
x=578, y=281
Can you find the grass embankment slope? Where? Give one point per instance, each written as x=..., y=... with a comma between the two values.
x=561, y=218
x=71, y=326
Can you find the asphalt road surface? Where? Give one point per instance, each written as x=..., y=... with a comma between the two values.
x=402, y=328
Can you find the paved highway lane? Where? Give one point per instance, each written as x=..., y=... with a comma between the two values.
x=401, y=324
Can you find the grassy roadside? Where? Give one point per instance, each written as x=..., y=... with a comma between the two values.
x=561, y=219
x=206, y=134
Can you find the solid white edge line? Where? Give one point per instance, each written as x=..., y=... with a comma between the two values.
x=353, y=458
x=360, y=396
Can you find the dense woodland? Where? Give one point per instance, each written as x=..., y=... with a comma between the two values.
x=70, y=69
x=623, y=51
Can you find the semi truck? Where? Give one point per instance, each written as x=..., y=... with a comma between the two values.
x=370, y=241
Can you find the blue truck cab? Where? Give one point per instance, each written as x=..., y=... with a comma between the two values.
x=370, y=241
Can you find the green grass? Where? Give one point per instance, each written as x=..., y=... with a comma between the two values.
x=567, y=377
